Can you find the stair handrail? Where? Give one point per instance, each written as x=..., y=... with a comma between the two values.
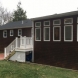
x=12, y=46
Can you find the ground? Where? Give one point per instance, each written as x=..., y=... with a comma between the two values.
x=1, y=56
x=9, y=69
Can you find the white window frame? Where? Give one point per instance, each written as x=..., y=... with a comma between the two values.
x=18, y=32
x=68, y=23
x=35, y=34
x=3, y=33
x=46, y=21
x=37, y=22
x=59, y=33
x=56, y=20
x=11, y=31
x=44, y=34
x=71, y=32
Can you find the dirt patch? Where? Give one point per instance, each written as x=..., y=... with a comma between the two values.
x=1, y=56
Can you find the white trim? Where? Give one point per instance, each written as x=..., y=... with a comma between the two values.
x=11, y=31
x=44, y=34
x=57, y=20
x=33, y=40
x=46, y=21
x=37, y=22
x=59, y=33
x=3, y=33
x=18, y=32
x=68, y=23
x=71, y=34
x=77, y=32
x=35, y=34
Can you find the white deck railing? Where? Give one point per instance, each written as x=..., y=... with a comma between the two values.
x=18, y=43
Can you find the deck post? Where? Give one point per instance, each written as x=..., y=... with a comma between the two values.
x=4, y=53
x=25, y=41
x=16, y=42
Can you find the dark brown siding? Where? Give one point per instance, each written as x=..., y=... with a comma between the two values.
x=61, y=53
x=6, y=41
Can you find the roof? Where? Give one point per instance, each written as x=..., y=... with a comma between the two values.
x=56, y=15
x=18, y=24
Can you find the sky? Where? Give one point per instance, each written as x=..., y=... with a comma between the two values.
x=38, y=8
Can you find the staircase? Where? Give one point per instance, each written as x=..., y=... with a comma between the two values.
x=10, y=55
x=21, y=44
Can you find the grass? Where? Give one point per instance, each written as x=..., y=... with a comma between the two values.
x=10, y=69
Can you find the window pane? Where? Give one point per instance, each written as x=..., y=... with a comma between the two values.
x=46, y=33
x=56, y=33
x=55, y=22
x=37, y=34
x=38, y=23
x=68, y=33
x=68, y=20
x=46, y=23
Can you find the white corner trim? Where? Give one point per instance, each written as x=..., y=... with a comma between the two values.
x=46, y=21
x=44, y=34
x=71, y=32
x=59, y=33
x=77, y=32
x=35, y=34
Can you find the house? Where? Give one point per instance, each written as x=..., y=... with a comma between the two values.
x=56, y=39
x=16, y=36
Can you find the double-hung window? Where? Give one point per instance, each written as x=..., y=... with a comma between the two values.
x=38, y=31
x=19, y=32
x=57, y=30
x=68, y=29
x=11, y=32
x=5, y=34
x=46, y=31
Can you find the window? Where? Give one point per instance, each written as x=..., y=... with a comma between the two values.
x=56, y=33
x=57, y=22
x=19, y=32
x=46, y=23
x=37, y=24
x=68, y=21
x=38, y=34
x=5, y=34
x=11, y=33
x=46, y=33
x=68, y=33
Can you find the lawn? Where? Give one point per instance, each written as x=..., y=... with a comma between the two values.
x=10, y=69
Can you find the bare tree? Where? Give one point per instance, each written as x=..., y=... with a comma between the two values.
x=5, y=16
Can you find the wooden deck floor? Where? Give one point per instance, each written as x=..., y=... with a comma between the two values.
x=1, y=56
